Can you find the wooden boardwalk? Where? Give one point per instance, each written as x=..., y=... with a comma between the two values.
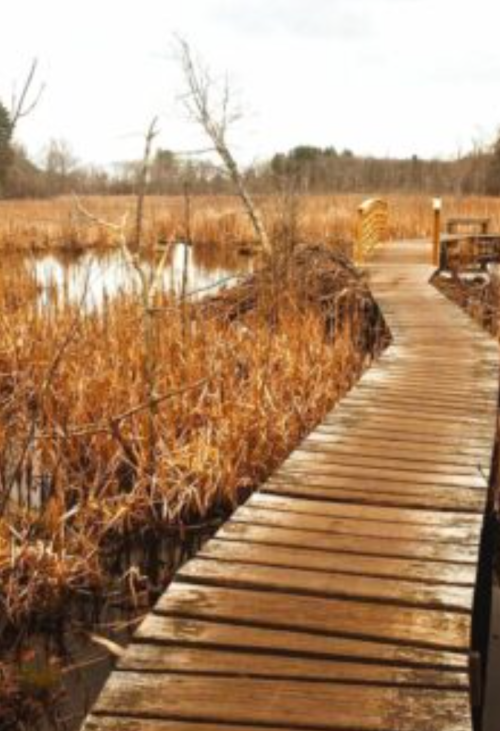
x=340, y=595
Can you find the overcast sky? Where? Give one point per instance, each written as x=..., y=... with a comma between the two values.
x=395, y=77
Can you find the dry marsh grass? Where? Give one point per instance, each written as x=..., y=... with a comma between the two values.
x=235, y=395
x=42, y=225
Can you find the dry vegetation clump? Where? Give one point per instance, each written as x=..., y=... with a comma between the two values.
x=477, y=292
x=100, y=504
x=26, y=698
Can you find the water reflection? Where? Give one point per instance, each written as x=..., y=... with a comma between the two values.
x=64, y=278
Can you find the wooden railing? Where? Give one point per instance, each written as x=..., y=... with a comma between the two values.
x=373, y=217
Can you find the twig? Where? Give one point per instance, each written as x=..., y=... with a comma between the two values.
x=104, y=427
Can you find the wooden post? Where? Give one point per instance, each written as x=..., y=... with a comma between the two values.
x=436, y=236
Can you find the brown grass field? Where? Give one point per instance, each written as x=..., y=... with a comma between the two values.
x=41, y=225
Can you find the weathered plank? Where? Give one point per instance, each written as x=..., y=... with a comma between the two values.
x=318, y=540
x=209, y=661
x=377, y=447
x=270, y=577
x=374, y=492
x=287, y=703
x=414, y=626
x=185, y=632
x=384, y=515
x=122, y=723
x=461, y=534
x=393, y=461
x=298, y=556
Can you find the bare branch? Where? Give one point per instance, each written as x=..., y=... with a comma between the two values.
x=215, y=117
x=22, y=107
x=106, y=426
x=142, y=182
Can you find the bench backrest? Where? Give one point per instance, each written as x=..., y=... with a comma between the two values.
x=482, y=224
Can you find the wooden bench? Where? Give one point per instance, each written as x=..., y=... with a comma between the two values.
x=454, y=224
x=468, y=250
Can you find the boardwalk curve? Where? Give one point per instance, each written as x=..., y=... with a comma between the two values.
x=341, y=595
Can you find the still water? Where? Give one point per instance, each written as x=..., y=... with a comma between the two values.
x=91, y=279
x=101, y=277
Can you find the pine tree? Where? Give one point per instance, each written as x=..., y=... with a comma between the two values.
x=6, y=153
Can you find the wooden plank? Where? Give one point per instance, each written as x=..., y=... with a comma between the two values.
x=419, y=412
x=289, y=704
x=441, y=455
x=378, y=376
x=195, y=661
x=375, y=513
x=249, y=575
x=463, y=388
x=404, y=357
x=413, y=626
x=441, y=449
x=375, y=383
x=184, y=632
x=463, y=535
x=300, y=557
x=360, y=512
x=460, y=379
x=394, y=460
x=427, y=403
x=113, y=722
x=350, y=416
x=370, y=492
x=421, y=431
x=318, y=540
x=411, y=360
x=312, y=466
x=458, y=441
x=388, y=399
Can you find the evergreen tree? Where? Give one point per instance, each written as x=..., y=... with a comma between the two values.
x=6, y=154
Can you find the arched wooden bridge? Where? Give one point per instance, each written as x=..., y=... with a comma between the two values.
x=341, y=595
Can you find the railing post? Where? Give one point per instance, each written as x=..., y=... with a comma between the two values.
x=437, y=205
x=371, y=228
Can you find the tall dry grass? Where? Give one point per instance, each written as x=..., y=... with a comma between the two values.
x=234, y=395
x=41, y=225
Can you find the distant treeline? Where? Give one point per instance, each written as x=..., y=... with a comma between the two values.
x=304, y=170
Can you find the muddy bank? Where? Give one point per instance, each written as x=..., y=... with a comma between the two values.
x=477, y=292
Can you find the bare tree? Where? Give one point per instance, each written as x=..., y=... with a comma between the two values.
x=23, y=104
x=210, y=106
x=60, y=165
x=149, y=276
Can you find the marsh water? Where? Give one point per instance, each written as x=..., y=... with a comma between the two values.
x=96, y=277
x=91, y=279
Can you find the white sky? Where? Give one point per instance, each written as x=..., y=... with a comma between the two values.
x=378, y=76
